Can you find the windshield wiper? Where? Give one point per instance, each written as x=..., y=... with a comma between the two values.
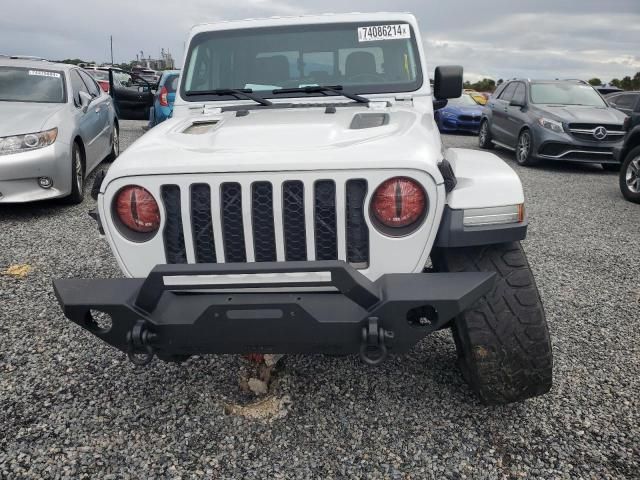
x=236, y=92
x=337, y=89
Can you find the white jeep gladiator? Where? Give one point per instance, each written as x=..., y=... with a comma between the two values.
x=300, y=201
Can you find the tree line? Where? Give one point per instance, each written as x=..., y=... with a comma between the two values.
x=627, y=83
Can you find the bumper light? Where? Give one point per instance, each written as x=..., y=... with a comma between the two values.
x=29, y=141
x=478, y=217
x=45, y=182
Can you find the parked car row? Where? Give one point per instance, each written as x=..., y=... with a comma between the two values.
x=554, y=120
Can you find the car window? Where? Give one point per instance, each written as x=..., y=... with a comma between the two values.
x=508, y=92
x=566, y=93
x=171, y=83
x=77, y=86
x=121, y=79
x=99, y=74
x=93, y=88
x=520, y=94
x=19, y=84
x=626, y=100
x=499, y=90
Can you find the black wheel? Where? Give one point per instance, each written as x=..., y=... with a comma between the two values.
x=115, y=144
x=524, y=149
x=630, y=176
x=484, y=136
x=77, y=176
x=503, y=343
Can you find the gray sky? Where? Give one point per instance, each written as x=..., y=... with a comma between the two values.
x=530, y=38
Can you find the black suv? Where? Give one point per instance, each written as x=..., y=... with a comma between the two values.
x=554, y=120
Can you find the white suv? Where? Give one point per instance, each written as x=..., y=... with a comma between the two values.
x=300, y=201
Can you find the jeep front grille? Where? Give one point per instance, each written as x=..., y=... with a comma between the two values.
x=220, y=212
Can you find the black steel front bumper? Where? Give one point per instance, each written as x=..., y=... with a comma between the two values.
x=357, y=315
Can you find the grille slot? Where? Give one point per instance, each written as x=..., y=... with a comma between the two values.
x=202, y=224
x=173, y=233
x=357, y=230
x=295, y=230
x=326, y=238
x=264, y=240
x=232, y=228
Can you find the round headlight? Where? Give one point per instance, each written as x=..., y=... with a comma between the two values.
x=31, y=140
x=398, y=206
x=137, y=211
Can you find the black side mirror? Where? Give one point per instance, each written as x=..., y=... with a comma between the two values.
x=447, y=82
x=439, y=104
x=517, y=103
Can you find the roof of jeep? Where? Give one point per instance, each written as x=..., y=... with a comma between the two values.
x=303, y=20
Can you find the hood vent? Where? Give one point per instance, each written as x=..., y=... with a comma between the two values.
x=369, y=120
x=200, y=127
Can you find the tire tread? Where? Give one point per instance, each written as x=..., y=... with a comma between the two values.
x=503, y=341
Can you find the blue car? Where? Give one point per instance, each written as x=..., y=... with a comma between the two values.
x=163, y=104
x=460, y=114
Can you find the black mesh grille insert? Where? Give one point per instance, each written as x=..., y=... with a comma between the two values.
x=202, y=224
x=357, y=230
x=173, y=234
x=295, y=233
x=264, y=239
x=325, y=220
x=232, y=229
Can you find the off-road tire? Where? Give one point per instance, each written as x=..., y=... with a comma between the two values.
x=626, y=170
x=502, y=341
x=484, y=138
x=77, y=176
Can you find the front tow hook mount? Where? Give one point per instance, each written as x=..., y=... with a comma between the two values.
x=373, y=349
x=139, y=341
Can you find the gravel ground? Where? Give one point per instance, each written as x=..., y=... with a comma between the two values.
x=72, y=407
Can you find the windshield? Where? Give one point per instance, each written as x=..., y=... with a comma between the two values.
x=171, y=83
x=464, y=101
x=102, y=75
x=360, y=57
x=566, y=94
x=31, y=85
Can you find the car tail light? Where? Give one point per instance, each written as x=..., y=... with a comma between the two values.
x=164, y=101
x=398, y=206
x=137, y=210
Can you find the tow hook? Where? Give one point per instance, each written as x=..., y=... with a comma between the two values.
x=139, y=340
x=373, y=349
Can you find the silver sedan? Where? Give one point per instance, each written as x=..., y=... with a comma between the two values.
x=56, y=126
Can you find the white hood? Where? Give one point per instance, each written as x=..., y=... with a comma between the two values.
x=286, y=139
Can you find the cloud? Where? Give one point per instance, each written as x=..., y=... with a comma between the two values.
x=542, y=39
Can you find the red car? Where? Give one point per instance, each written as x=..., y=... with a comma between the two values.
x=101, y=75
